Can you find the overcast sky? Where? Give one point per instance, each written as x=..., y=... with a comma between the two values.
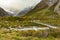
x=18, y=4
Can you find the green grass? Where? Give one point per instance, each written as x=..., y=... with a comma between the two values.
x=16, y=22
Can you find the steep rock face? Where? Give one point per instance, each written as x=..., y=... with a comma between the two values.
x=41, y=5
x=50, y=2
x=45, y=3
x=3, y=12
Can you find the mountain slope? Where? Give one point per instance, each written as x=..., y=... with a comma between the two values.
x=42, y=8
x=45, y=13
x=3, y=12
x=24, y=11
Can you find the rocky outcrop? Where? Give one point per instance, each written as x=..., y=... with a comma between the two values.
x=50, y=2
x=44, y=4
x=41, y=5
x=57, y=8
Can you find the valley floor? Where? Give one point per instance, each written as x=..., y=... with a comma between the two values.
x=16, y=28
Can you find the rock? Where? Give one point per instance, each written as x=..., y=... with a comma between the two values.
x=40, y=5
x=57, y=8
x=50, y=2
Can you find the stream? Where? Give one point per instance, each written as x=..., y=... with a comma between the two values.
x=33, y=27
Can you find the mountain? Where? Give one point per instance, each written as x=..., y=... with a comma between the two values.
x=45, y=13
x=45, y=7
x=24, y=11
x=3, y=12
x=41, y=8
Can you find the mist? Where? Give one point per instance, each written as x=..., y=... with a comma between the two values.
x=12, y=5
